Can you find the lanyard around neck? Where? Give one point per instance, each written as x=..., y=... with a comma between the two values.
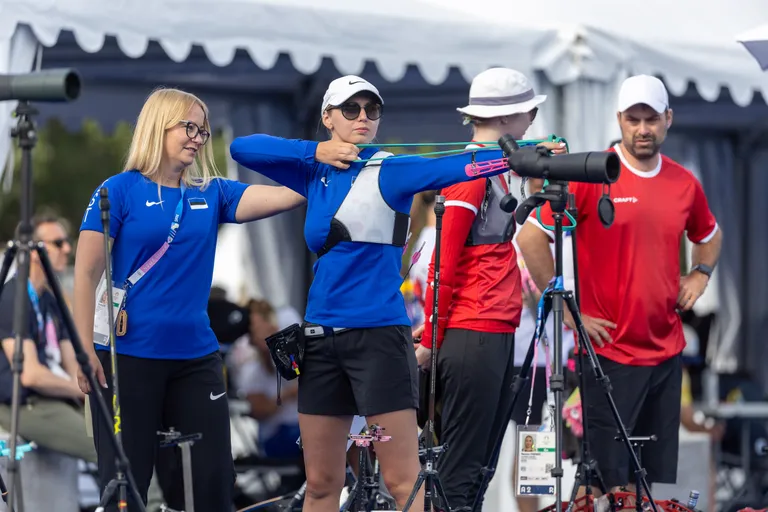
x=35, y=300
x=152, y=261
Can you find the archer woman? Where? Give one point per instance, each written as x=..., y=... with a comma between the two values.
x=359, y=357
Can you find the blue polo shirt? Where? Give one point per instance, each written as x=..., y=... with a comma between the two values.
x=167, y=308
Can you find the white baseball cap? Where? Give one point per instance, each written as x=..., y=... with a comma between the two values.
x=500, y=92
x=643, y=89
x=341, y=89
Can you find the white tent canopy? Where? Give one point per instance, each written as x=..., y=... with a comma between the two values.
x=393, y=34
x=756, y=41
x=679, y=40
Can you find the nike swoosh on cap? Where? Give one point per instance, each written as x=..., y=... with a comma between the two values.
x=356, y=82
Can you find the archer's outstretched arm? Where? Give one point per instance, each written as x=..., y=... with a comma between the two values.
x=406, y=176
x=288, y=162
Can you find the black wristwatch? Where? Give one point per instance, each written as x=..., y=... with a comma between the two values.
x=704, y=269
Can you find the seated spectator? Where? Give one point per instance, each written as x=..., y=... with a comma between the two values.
x=257, y=383
x=52, y=404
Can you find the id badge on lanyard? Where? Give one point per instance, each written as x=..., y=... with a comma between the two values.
x=101, y=315
x=101, y=328
x=536, y=447
x=535, y=461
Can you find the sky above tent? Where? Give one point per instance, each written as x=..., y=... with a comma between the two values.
x=704, y=22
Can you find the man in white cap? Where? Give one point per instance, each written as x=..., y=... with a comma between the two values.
x=631, y=289
x=480, y=295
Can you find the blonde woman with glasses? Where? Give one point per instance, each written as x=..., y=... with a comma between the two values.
x=165, y=210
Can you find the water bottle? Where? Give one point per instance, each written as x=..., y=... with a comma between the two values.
x=693, y=499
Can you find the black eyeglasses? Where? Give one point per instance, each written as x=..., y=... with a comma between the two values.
x=59, y=242
x=351, y=111
x=193, y=130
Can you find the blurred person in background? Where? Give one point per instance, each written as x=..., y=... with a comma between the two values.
x=359, y=357
x=415, y=285
x=480, y=298
x=52, y=403
x=631, y=287
x=278, y=424
x=169, y=366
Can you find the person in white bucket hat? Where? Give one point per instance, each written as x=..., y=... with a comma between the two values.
x=480, y=293
x=499, y=92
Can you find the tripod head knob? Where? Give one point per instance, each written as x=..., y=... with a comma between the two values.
x=439, y=205
x=104, y=203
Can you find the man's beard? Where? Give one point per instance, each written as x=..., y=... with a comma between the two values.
x=645, y=152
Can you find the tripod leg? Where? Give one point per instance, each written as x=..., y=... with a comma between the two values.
x=21, y=329
x=109, y=492
x=8, y=257
x=587, y=465
x=605, y=383
x=123, y=464
x=416, y=488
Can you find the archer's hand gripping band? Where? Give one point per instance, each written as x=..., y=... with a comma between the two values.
x=287, y=350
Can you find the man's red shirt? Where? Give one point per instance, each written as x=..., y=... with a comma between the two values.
x=630, y=273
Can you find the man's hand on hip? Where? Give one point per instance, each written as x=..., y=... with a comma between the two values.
x=597, y=328
x=692, y=287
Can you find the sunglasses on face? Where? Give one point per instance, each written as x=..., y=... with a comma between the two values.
x=193, y=130
x=59, y=242
x=351, y=111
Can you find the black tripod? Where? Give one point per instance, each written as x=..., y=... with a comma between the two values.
x=428, y=475
x=588, y=471
x=556, y=192
x=21, y=249
x=366, y=492
x=123, y=479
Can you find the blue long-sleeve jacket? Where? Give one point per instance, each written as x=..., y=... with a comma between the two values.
x=356, y=284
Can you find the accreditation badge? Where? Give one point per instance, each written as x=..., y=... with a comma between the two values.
x=101, y=314
x=535, y=460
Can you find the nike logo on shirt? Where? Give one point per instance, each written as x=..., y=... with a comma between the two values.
x=153, y=203
x=216, y=397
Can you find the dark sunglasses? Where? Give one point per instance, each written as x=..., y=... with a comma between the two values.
x=59, y=242
x=194, y=130
x=351, y=111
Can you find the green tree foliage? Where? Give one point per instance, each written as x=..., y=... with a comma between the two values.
x=68, y=166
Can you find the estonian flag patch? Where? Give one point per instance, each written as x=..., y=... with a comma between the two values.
x=197, y=203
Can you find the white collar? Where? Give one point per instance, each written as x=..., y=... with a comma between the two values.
x=642, y=174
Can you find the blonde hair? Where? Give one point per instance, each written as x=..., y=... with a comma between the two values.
x=163, y=110
x=264, y=309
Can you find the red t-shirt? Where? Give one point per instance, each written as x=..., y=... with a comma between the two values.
x=630, y=273
x=485, y=279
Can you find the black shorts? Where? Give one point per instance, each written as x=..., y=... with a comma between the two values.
x=520, y=411
x=648, y=402
x=360, y=372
